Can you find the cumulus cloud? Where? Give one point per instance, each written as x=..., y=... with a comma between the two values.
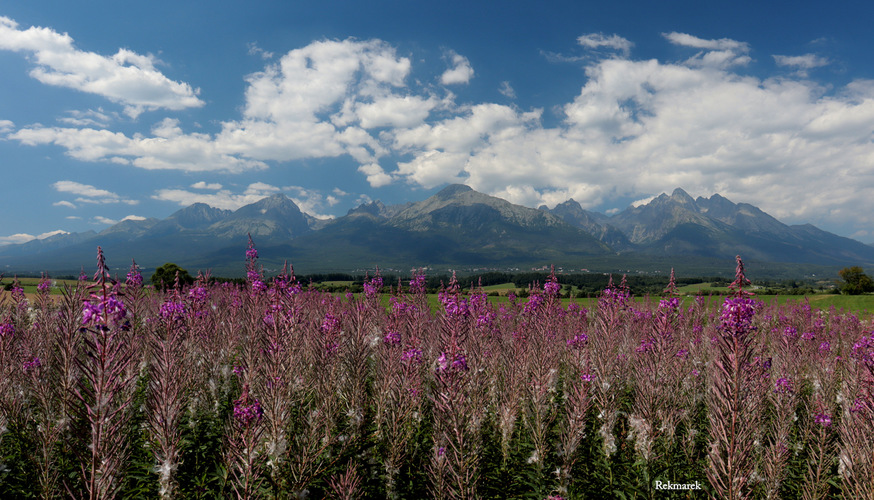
x=635, y=129
x=613, y=42
x=6, y=126
x=24, y=237
x=311, y=201
x=126, y=78
x=328, y=99
x=168, y=148
x=460, y=72
x=89, y=194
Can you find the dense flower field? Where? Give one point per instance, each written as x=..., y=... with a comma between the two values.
x=276, y=391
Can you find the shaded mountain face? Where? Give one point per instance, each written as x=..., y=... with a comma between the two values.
x=457, y=226
x=594, y=223
x=680, y=225
x=276, y=217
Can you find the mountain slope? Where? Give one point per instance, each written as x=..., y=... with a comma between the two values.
x=455, y=227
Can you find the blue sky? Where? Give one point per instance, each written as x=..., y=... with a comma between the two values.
x=113, y=110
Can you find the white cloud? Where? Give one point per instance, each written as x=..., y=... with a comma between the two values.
x=802, y=63
x=6, y=126
x=24, y=237
x=64, y=203
x=99, y=219
x=255, y=50
x=169, y=148
x=687, y=40
x=806, y=61
x=126, y=77
x=506, y=90
x=376, y=176
x=223, y=198
x=89, y=118
x=203, y=185
x=643, y=127
x=613, y=42
x=721, y=53
x=635, y=128
x=134, y=217
x=89, y=194
x=643, y=201
x=311, y=201
x=395, y=111
x=460, y=72
x=318, y=101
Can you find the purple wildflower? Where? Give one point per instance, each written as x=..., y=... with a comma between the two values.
x=459, y=362
x=330, y=324
x=858, y=405
x=646, y=345
x=671, y=304
x=417, y=284
x=7, y=329
x=783, y=386
x=579, y=341
x=374, y=286
x=198, y=294
x=534, y=303
x=412, y=356
x=824, y=419
x=111, y=306
x=453, y=305
x=172, y=310
x=682, y=353
x=247, y=410
x=825, y=347
x=32, y=364
x=737, y=315
x=552, y=288
x=587, y=377
x=134, y=279
x=392, y=337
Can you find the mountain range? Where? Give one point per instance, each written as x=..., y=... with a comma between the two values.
x=457, y=227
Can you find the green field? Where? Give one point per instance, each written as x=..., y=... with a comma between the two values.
x=862, y=304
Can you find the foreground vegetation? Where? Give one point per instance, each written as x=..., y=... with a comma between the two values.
x=273, y=390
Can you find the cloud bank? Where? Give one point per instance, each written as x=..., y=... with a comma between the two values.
x=125, y=77
x=636, y=128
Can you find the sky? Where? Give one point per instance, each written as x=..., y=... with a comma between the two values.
x=119, y=110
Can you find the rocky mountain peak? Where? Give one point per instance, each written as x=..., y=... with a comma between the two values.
x=682, y=197
x=452, y=191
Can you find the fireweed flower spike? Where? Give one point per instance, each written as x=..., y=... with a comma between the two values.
x=735, y=396
x=105, y=392
x=253, y=275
